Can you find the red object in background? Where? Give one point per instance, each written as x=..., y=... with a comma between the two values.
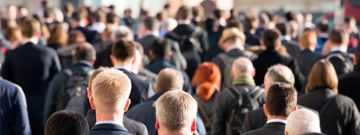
x=3, y=50
x=352, y=8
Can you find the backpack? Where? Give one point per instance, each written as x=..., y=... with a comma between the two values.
x=341, y=63
x=188, y=43
x=244, y=102
x=74, y=92
x=227, y=61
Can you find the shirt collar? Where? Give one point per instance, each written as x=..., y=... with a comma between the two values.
x=33, y=40
x=123, y=67
x=110, y=122
x=246, y=79
x=286, y=38
x=184, y=22
x=341, y=49
x=276, y=120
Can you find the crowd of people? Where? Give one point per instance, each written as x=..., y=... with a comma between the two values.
x=80, y=71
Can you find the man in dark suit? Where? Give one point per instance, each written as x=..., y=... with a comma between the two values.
x=196, y=52
x=91, y=36
x=232, y=42
x=281, y=100
x=337, y=45
x=109, y=96
x=272, y=42
x=168, y=79
x=277, y=73
x=292, y=47
x=123, y=58
x=14, y=119
x=148, y=32
x=349, y=83
x=32, y=67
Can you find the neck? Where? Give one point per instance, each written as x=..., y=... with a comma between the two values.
x=109, y=116
x=276, y=117
x=125, y=64
x=167, y=132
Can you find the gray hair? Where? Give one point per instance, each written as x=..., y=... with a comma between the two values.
x=303, y=121
x=122, y=32
x=176, y=110
x=243, y=65
x=280, y=73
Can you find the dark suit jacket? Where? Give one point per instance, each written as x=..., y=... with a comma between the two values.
x=274, y=128
x=292, y=48
x=108, y=129
x=32, y=67
x=132, y=126
x=306, y=60
x=14, y=118
x=342, y=64
x=147, y=42
x=158, y=64
x=269, y=58
x=254, y=120
x=139, y=88
x=349, y=85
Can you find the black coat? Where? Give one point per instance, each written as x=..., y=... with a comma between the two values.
x=254, y=120
x=14, y=118
x=274, y=128
x=306, y=60
x=147, y=42
x=103, y=58
x=342, y=62
x=292, y=48
x=132, y=126
x=108, y=129
x=349, y=85
x=269, y=58
x=139, y=88
x=338, y=114
x=32, y=67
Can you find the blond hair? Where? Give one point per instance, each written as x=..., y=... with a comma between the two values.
x=176, y=110
x=110, y=88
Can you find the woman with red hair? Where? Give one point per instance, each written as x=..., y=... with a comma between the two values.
x=207, y=82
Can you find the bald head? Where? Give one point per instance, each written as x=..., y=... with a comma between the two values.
x=301, y=122
x=169, y=79
x=242, y=66
x=110, y=90
x=278, y=73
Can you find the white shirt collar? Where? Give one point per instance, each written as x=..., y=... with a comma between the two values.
x=276, y=120
x=286, y=38
x=33, y=40
x=123, y=67
x=184, y=22
x=110, y=122
x=342, y=49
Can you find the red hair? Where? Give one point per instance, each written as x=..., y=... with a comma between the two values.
x=207, y=72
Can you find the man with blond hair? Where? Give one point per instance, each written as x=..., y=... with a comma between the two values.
x=176, y=113
x=109, y=97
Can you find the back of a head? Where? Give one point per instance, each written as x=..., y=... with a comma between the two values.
x=323, y=25
x=271, y=39
x=243, y=66
x=322, y=76
x=169, y=79
x=30, y=27
x=251, y=22
x=151, y=24
x=176, y=111
x=161, y=48
x=302, y=121
x=308, y=39
x=66, y=123
x=280, y=73
x=284, y=28
x=111, y=18
x=184, y=13
x=85, y=52
x=122, y=32
x=76, y=16
x=110, y=90
x=207, y=72
x=338, y=37
x=124, y=50
x=281, y=99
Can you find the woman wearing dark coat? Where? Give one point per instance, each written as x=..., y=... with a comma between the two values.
x=338, y=114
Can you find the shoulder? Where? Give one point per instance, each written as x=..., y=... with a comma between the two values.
x=9, y=86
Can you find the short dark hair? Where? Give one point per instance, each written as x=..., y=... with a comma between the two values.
x=76, y=16
x=338, y=36
x=323, y=26
x=284, y=28
x=151, y=23
x=29, y=27
x=184, y=13
x=66, y=123
x=161, y=47
x=124, y=49
x=85, y=51
x=270, y=38
x=281, y=99
x=110, y=18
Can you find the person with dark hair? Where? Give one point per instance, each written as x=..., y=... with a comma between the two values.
x=76, y=24
x=353, y=31
x=192, y=40
x=123, y=57
x=148, y=32
x=128, y=20
x=292, y=47
x=14, y=118
x=322, y=29
x=336, y=50
x=338, y=114
x=160, y=54
x=281, y=100
x=271, y=40
x=66, y=123
x=32, y=66
x=58, y=97
x=349, y=83
x=251, y=24
x=214, y=30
